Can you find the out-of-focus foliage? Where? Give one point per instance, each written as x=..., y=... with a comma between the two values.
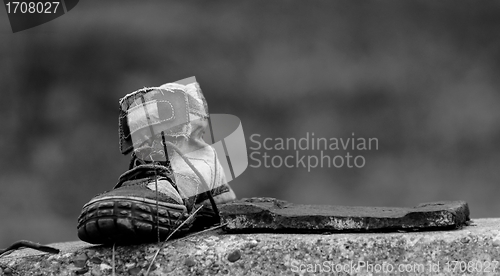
x=421, y=76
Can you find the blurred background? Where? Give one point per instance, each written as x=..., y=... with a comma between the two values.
x=421, y=76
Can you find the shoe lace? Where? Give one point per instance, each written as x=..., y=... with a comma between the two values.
x=140, y=169
x=28, y=244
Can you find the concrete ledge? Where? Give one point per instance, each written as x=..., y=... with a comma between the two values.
x=475, y=248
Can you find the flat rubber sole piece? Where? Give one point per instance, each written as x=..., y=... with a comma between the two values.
x=130, y=220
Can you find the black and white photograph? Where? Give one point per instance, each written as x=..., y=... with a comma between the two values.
x=250, y=137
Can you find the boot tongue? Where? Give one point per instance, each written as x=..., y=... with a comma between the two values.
x=154, y=152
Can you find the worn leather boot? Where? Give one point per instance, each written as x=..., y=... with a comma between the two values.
x=172, y=173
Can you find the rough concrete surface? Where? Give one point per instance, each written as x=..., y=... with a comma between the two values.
x=472, y=250
x=272, y=215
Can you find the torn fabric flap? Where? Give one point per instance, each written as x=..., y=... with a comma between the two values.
x=164, y=110
x=170, y=108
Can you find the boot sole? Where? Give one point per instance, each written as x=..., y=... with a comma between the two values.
x=129, y=220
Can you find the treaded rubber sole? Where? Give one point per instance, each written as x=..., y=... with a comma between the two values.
x=129, y=220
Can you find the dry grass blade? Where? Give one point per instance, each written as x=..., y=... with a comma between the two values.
x=113, y=260
x=169, y=236
x=157, y=208
x=202, y=231
x=198, y=174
